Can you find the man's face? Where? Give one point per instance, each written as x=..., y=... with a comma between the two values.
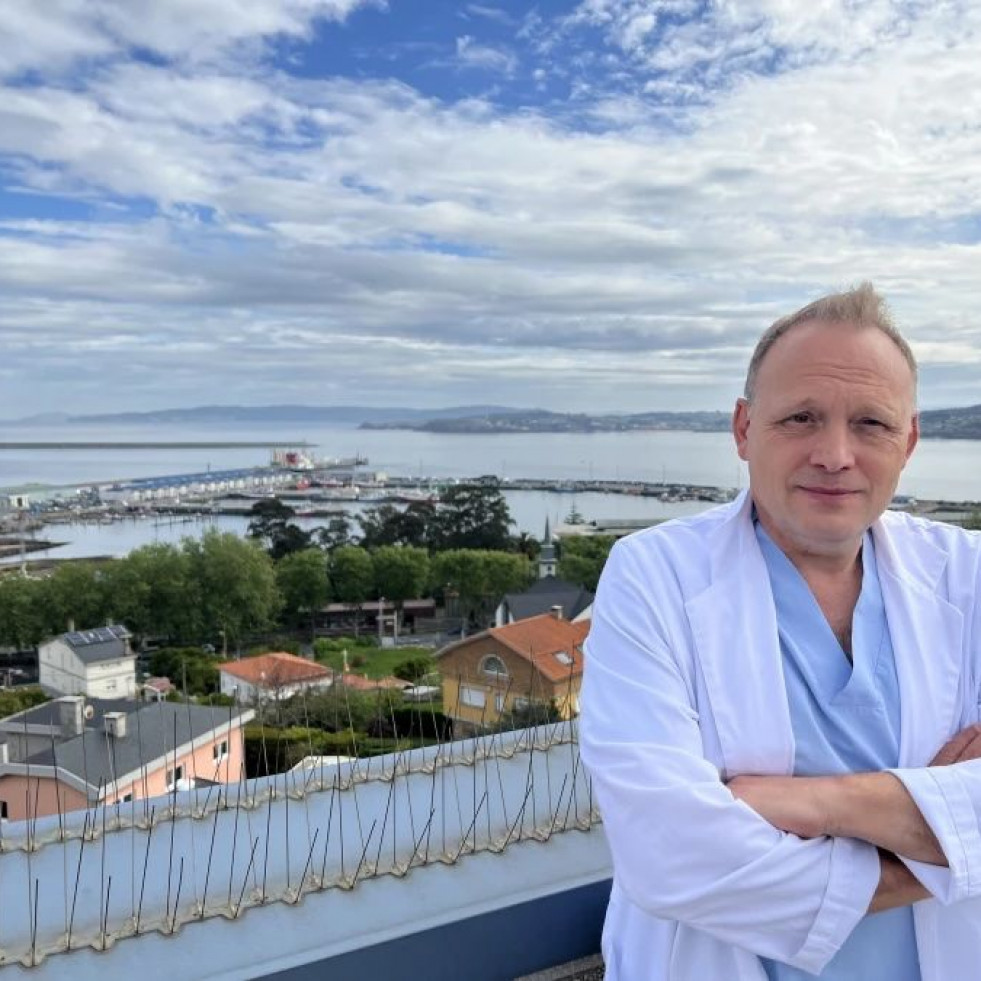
x=831, y=427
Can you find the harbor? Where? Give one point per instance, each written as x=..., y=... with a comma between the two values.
x=65, y=508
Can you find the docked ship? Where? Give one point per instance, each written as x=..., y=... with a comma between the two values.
x=299, y=461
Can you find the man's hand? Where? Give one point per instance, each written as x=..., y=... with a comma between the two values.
x=966, y=745
x=897, y=885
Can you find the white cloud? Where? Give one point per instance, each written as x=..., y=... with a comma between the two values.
x=471, y=54
x=245, y=225
x=53, y=34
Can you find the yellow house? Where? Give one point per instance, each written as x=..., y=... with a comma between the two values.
x=536, y=661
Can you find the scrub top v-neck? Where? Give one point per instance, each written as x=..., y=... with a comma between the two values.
x=845, y=716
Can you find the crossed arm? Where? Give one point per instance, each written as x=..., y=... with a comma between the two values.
x=873, y=807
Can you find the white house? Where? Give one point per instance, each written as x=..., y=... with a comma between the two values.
x=96, y=663
x=276, y=675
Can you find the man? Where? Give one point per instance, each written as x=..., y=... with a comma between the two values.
x=781, y=694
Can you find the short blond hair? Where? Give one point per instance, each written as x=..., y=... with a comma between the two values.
x=862, y=306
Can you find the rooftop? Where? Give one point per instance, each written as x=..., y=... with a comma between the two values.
x=100, y=644
x=275, y=668
x=546, y=593
x=152, y=731
x=552, y=645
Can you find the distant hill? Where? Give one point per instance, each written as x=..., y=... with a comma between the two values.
x=541, y=421
x=963, y=423
x=960, y=423
x=264, y=414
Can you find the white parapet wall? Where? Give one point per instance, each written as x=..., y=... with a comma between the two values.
x=247, y=879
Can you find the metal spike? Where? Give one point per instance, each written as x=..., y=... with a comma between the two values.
x=105, y=917
x=245, y=879
x=306, y=867
x=364, y=852
x=473, y=823
x=146, y=859
x=37, y=890
x=330, y=818
x=78, y=873
x=177, y=898
x=211, y=850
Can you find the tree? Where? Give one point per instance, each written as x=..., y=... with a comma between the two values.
x=505, y=572
x=472, y=516
x=480, y=577
x=582, y=558
x=527, y=545
x=352, y=574
x=267, y=517
x=464, y=572
x=414, y=669
x=289, y=539
x=22, y=604
x=389, y=525
x=128, y=595
x=334, y=534
x=401, y=572
x=270, y=524
x=236, y=582
x=352, y=577
x=172, y=598
x=186, y=666
x=303, y=583
x=75, y=593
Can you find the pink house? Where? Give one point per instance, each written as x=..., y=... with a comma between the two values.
x=104, y=752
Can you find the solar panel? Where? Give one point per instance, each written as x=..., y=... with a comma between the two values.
x=98, y=635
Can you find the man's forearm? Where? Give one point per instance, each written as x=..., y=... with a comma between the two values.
x=897, y=885
x=874, y=807
x=877, y=808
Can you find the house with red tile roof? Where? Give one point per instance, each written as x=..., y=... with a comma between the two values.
x=358, y=682
x=505, y=669
x=275, y=676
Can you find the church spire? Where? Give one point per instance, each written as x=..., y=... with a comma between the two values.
x=547, y=560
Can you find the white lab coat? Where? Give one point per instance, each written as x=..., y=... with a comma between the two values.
x=684, y=688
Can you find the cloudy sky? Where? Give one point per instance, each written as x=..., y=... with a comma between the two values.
x=574, y=204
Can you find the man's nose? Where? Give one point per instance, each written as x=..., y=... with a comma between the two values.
x=832, y=448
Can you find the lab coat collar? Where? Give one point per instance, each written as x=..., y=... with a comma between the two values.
x=734, y=625
x=927, y=637
x=733, y=622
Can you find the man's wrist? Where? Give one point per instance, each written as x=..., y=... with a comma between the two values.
x=839, y=801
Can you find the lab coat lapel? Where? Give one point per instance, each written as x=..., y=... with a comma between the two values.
x=734, y=626
x=927, y=640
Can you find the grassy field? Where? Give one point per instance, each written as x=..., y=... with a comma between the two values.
x=378, y=662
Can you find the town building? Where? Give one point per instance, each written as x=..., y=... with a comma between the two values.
x=548, y=560
x=73, y=753
x=531, y=663
x=96, y=663
x=357, y=682
x=482, y=859
x=381, y=618
x=272, y=676
x=545, y=595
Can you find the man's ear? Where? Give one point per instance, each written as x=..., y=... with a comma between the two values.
x=914, y=435
x=740, y=427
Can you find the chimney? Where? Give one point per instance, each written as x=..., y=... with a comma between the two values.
x=115, y=724
x=557, y=612
x=71, y=715
x=4, y=753
x=71, y=625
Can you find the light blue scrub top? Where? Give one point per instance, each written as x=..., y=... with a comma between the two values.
x=845, y=719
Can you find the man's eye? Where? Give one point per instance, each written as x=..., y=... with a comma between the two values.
x=872, y=423
x=800, y=418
